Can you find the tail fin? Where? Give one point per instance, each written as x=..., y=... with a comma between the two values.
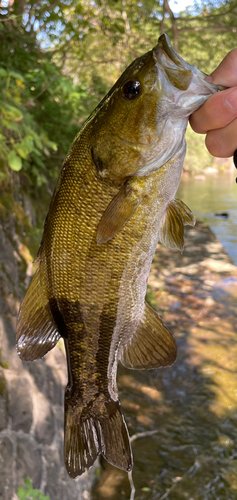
x=98, y=428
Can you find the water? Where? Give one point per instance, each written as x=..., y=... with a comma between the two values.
x=183, y=419
x=215, y=193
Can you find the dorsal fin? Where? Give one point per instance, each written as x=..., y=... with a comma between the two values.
x=152, y=346
x=177, y=216
x=37, y=332
x=120, y=209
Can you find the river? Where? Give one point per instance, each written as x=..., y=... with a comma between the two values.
x=182, y=420
x=216, y=193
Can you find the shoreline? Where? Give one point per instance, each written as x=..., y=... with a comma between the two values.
x=183, y=418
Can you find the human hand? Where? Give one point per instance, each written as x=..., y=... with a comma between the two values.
x=217, y=118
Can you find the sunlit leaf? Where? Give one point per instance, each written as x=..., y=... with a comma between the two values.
x=53, y=145
x=13, y=113
x=21, y=151
x=14, y=161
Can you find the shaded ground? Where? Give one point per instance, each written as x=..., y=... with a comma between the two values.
x=192, y=406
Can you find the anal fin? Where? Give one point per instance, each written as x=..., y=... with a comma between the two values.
x=177, y=216
x=37, y=332
x=152, y=346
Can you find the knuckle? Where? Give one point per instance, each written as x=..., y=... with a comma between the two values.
x=196, y=122
x=214, y=144
x=231, y=57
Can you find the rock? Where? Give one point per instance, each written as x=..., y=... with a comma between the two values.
x=79, y=488
x=38, y=372
x=6, y=468
x=28, y=461
x=218, y=266
x=54, y=390
x=3, y=402
x=31, y=394
x=21, y=407
x=9, y=356
x=44, y=428
x=59, y=419
x=54, y=486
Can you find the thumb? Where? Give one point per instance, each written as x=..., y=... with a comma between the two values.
x=226, y=72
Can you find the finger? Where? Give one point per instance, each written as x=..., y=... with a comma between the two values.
x=226, y=72
x=217, y=112
x=223, y=143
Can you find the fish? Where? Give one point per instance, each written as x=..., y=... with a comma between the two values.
x=114, y=201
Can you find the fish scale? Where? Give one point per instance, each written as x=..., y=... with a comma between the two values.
x=115, y=199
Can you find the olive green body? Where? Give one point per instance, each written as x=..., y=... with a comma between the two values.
x=114, y=200
x=88, y=284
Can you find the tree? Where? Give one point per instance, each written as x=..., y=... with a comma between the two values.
x=65, y=56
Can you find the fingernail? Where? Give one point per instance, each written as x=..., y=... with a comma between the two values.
x=208, y=79
x=231, y=100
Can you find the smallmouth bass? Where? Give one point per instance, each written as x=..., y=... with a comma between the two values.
x=115, y=199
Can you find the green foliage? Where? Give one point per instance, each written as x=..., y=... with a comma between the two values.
x=64, y=58
x=29, y=493
x=39, y=109
x=206, y=32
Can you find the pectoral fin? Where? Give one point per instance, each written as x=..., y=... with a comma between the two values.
x=119, y=211
x=152, y=346
x=176, y=217
x=37, y=332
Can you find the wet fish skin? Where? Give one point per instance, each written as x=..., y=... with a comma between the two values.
x=114, y=200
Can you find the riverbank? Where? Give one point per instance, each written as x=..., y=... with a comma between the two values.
x=183, y=419
x=191, y=406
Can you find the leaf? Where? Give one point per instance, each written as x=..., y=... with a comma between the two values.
x=25, y=147
x=28, y=482
x=3, y=73
x=18, y=76
x=53, y=145
x=15, y=162
x=21, y=493
x=38, y=142
x=13, y=113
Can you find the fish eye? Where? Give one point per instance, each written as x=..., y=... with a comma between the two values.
x=131, y=89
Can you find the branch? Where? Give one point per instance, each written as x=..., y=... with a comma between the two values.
x=208, y=16
x=190, y=472
x=167, y=10
x=142, y=435
x=44, y=88
x=13, y=17
x=209, y=28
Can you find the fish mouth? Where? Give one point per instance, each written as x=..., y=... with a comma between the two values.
x=179, y=71
x=165, y=45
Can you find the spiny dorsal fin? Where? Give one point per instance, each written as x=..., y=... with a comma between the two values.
x=37, y=332
x=120, y=209
x=152, y=346
x=177, y=216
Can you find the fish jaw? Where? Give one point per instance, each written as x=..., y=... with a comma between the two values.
x=194, y=89
x=138, y=136
x=183, y=89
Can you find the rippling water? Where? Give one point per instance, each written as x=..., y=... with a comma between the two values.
x=216, y=193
